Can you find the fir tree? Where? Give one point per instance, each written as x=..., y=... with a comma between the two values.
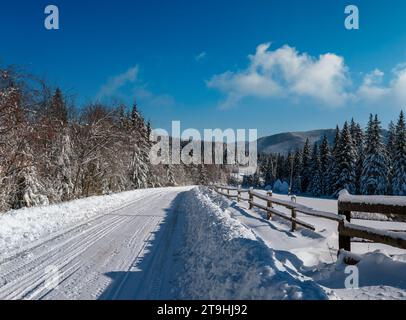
x=139, y=165
x=203, y=180
x=346, y=162
x=391, y=151
x=316, y=177
x=358, y=140
x=374, y=179
x=325, y=160
x=58, y=108
x=296, y=170
x=391, y=141
x=169, y=175
x=284, y=167
x=267, y=169
x=306, y=166
x=399, y=162
x=333, y=173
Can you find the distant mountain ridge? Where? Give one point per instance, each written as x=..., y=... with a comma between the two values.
x=290, y=141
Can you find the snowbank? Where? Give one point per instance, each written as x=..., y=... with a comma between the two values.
x=313, y=254
x=380, y=277
x=226, y=260
x=20, y=228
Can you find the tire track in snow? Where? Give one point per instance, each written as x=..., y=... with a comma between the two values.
x=75, y=228
x=30, y=284
x=18, y=288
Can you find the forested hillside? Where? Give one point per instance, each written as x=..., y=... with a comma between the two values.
x=361, y=161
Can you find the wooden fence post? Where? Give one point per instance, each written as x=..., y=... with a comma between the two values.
x=251, y=198
x=344, y=242
x=269, y=205
x=238, y=194
x=293, y=217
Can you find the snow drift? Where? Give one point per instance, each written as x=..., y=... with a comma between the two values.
x=223, y=259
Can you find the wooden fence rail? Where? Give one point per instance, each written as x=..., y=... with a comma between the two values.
x=386, y=205
x=346, y=205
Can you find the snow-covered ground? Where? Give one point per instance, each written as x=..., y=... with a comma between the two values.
x=223, y=258
x=18, y=228
x=123, y=251
x=183, y=243
x=382, y=270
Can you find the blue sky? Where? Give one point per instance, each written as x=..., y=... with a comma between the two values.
x=272, y=65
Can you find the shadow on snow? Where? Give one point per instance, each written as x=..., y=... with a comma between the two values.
x=150, y=275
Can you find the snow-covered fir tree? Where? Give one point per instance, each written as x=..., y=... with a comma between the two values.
x=306, y=167
x=267, y=168
x=325, y=161
x=390, y=141
x=374, y=179
x=399, y=161
x=358, y=140
x=169, y=175
x=203, y=178
x=333, y=172
x=296, y=171
x=315, y=184
x=345, y=162
x=139, y=166
x=391, y=152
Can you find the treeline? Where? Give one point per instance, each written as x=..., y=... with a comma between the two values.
x=51, y=150
x=364, y=162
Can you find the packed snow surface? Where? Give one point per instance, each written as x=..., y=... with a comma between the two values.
x=21, y=227
x=186, y=243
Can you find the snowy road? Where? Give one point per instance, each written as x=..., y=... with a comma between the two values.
x=122, y=254
x=179, y=243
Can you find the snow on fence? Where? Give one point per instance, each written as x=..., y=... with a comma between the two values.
x=346, y=204
x=386, y=205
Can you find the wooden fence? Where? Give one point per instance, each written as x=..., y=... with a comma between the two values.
x=346, y=205
x=385, y=205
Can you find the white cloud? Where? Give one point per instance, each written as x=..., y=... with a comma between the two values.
x=138, y=89
x=201, y=56
x=286, y=72
x=371, y=89
x=398, y=86
x=150, y=99
x=115, y=83
x=242, y=84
